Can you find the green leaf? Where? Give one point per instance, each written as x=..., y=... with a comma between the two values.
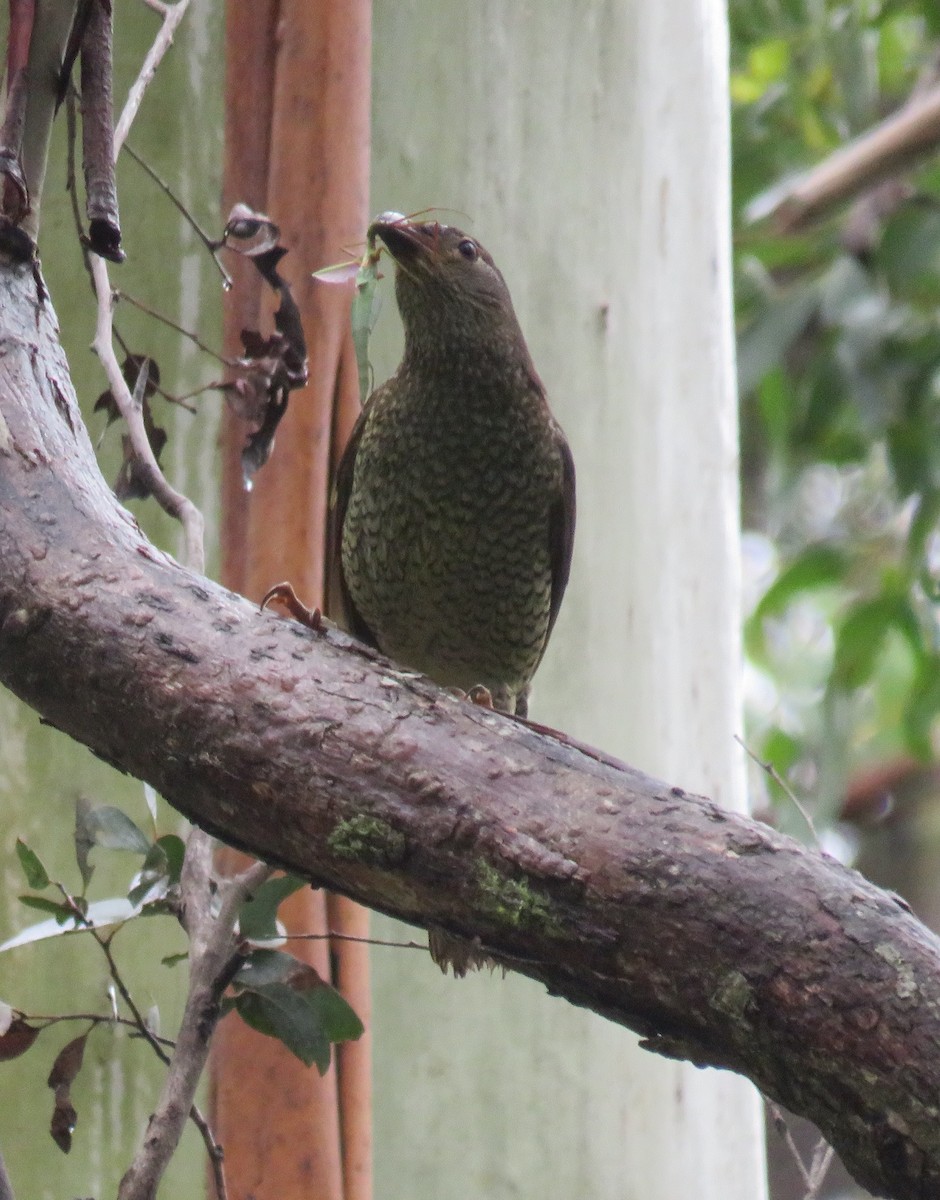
x=174, y=849
x=258, y=917
x=84, y=839
x=775, y=403
x=279, y=1012
x=36, y=874
x=922, y=708
x=262, y=967
x=113, y=911
x=365, y=312
x=923, y=524
x=900, y=45
x=819, y=565
x=861, y=634
x=62, y=912
x=292, y=1003
x=113, y=829
x=763, y=344
x=344, y=272
x=150, y=796
x=160, y=873
x=782, y=751
x=338, y=1019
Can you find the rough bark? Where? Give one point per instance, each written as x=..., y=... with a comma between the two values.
x=717, y=939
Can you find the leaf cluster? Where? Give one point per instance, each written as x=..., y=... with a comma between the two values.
x=271, y=990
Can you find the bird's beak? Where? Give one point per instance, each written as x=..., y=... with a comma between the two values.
x=407, y=242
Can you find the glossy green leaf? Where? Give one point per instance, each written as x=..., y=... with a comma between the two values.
x=174, y=850
x=159, y=874
x=279, y=1012
x=338, y=1019
x=286, y=998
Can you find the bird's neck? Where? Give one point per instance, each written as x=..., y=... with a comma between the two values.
x=472, y=365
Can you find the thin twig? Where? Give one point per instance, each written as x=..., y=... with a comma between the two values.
x=774, y=774
x=172, y=15
x=6, y=1187
x=145, y=1031
x=350, y=937
x=170, y=500
x=160, y=391
x=171, y=324
x=44, y=1019
x=208, y=242
x=213, y=1149
x=823, y=1158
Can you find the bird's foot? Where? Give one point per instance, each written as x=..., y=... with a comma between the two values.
x=284, y=592
x=480, y=694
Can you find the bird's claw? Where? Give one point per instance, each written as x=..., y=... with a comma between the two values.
x=285, y=594
x=481, y=695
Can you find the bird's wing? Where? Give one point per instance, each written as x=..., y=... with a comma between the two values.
x=339, y=605
x=561, y=528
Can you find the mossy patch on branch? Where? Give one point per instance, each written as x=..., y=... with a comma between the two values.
x=367, y=840
x=514, y=902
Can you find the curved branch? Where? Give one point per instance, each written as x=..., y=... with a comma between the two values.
x=716, y=938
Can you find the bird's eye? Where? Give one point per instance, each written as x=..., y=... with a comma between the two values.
x=469, y=250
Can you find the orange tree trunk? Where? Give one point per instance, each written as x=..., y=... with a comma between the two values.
x=297, y=147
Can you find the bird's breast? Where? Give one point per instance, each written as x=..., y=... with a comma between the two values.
x=445, y=543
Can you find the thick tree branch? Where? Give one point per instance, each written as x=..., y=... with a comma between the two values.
x=717, y=939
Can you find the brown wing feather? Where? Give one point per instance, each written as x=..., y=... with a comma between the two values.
x=339, y=605
x=561, y=528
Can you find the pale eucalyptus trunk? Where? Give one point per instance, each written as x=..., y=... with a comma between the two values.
x=586, y=145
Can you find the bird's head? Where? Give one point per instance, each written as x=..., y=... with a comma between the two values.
x=448, y=288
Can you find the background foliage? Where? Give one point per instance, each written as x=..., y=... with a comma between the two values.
x=839, y=361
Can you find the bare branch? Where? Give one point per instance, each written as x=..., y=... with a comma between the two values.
x=170, y=500
x=172, y=16
x=892, y=146
x=104, y=227
x=212, y=950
